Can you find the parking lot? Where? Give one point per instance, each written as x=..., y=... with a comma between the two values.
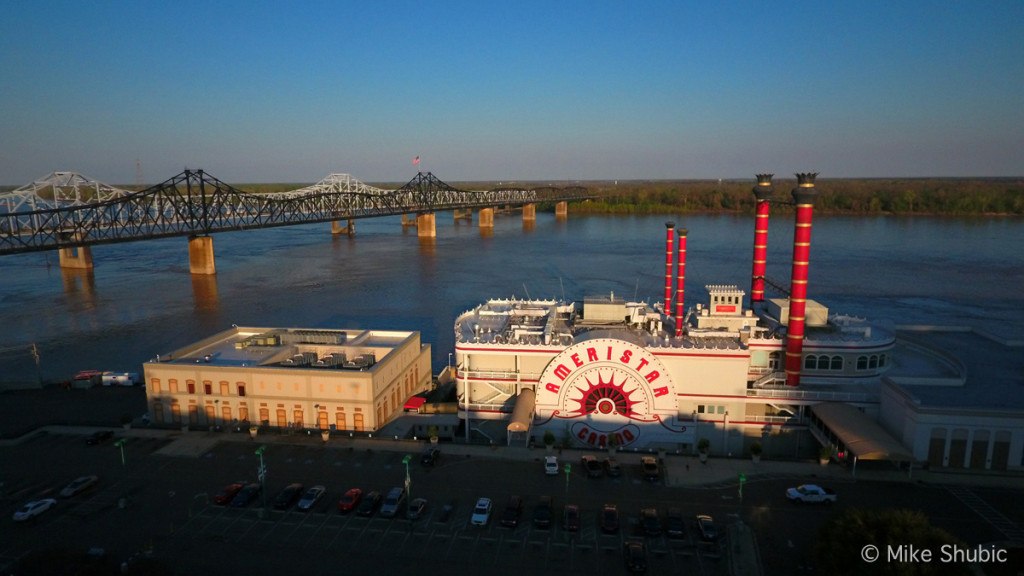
x=163, y=505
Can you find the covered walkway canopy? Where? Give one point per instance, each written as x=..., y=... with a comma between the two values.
x=855, y=432
x=522, y=415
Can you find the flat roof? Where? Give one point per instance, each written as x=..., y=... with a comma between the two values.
x=291, y=348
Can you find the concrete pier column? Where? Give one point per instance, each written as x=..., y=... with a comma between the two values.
x=409, y=220
x=425, y=225
x=466, y=214
x=487, y=217
x=529, y=212
x=349, y=228
x=562, y=210
x=200, y=255
x=76, y=258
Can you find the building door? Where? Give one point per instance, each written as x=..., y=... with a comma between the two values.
x=321, y=420
x=282, y=418
x=176, y=413
x=193, y=414
x=211, y=416
x=357, y=421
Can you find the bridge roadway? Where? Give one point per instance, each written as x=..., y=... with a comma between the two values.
x=68, y=212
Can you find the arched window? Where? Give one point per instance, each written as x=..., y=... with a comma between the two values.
x=811, y=362
x=862, y=363
x=873, y=362
x=881, y=360
x=837, y=363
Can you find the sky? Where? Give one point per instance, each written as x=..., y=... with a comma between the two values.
x=263, y=91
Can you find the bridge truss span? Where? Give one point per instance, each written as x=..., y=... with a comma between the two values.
x=67, y=210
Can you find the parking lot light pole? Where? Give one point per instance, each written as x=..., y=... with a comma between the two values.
x=261, y=474
x=408, y=480
x=120, y=444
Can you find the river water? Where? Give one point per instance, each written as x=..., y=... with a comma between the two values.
x=141, y=301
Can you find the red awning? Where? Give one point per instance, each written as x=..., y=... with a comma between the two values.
x=413, y=404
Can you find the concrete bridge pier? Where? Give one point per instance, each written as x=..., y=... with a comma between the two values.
x=409, y=220
x=425, y=225
x=200, y=255
x=487, y=217
x=75, y=258
x=349, y=228
x=562, y=210
x=466, y=214
x=529, y=212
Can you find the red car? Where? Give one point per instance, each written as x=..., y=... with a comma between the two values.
x=228, y=493
x=350, y=500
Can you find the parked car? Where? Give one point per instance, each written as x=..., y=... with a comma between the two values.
x=592, y=466
x=417, y=508
x=650, y=523
x=99, y=437
x=634, y=553
x=513, y=510
x=79, y=485
x=393, y=502
x=675, y=527
x=224, y=497
x=446, y=512
x=571, y=518
x=481, y=512
x=609, y=519
x=286, y=497
x=430, y=456
x=551, y=465
x=706, y=527
x=311, y=497
x=543, y=512
x=651, y=469
x=612, y=468
x=350, y=500
x=246, y=495
x=369, y=505
x=811, y=493
x=32, y=509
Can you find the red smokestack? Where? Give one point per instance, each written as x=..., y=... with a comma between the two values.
x=803, y=196
x=680, y=282
x=762, y=192
x=668, y=266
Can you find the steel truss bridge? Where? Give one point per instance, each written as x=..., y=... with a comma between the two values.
x=66, y=209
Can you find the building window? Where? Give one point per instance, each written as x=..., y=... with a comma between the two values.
x=243, y=413
x=837, y=363
x=700, y=408
x=881, y=360
x=297, y=415
x=873, y=362
x=224, y=388
x=339, y=421
x=862, y=363
x=264, y=415
x=241, y=389
x=154, y=385
x=191, y=385
x=172, y=385
x=811, y=363
x=207, y=387
x=357, y=422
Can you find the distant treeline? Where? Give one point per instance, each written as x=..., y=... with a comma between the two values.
x=939, y=196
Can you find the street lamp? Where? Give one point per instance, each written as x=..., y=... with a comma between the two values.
x=261, y=474
x=120, y=444
x=408, y=480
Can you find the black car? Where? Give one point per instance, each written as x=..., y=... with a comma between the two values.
x=706, y=527
x=245, y=495
x=369, y=504
x=649, y=522
x=99, y=437
x=635, y=554
x=675, y=527
x=285, y=498
x=430, y=456
x=593, y=466
x=609, y=519
x=513, y=510
x=612, y=468
x=543, y=511
x=571, y=517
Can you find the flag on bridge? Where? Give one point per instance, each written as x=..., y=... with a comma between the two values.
x=416, y=161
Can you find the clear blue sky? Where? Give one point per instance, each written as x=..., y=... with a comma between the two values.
x=259, y=91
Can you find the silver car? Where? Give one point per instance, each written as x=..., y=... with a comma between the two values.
x=79, y=485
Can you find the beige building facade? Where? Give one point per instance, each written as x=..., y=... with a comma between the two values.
x=344, y=380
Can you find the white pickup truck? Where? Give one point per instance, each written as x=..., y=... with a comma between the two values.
x=811, y=493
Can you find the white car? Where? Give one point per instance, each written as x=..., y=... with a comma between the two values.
x=79, y=485
x=811, y=493
x=481, y=512
x=311, y=497
x=33, y=509
x=551, y=465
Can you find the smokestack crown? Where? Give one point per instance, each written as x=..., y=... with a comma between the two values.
x=804, y=193
x=683, y=232
x=764, y=187
x=670, y=225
